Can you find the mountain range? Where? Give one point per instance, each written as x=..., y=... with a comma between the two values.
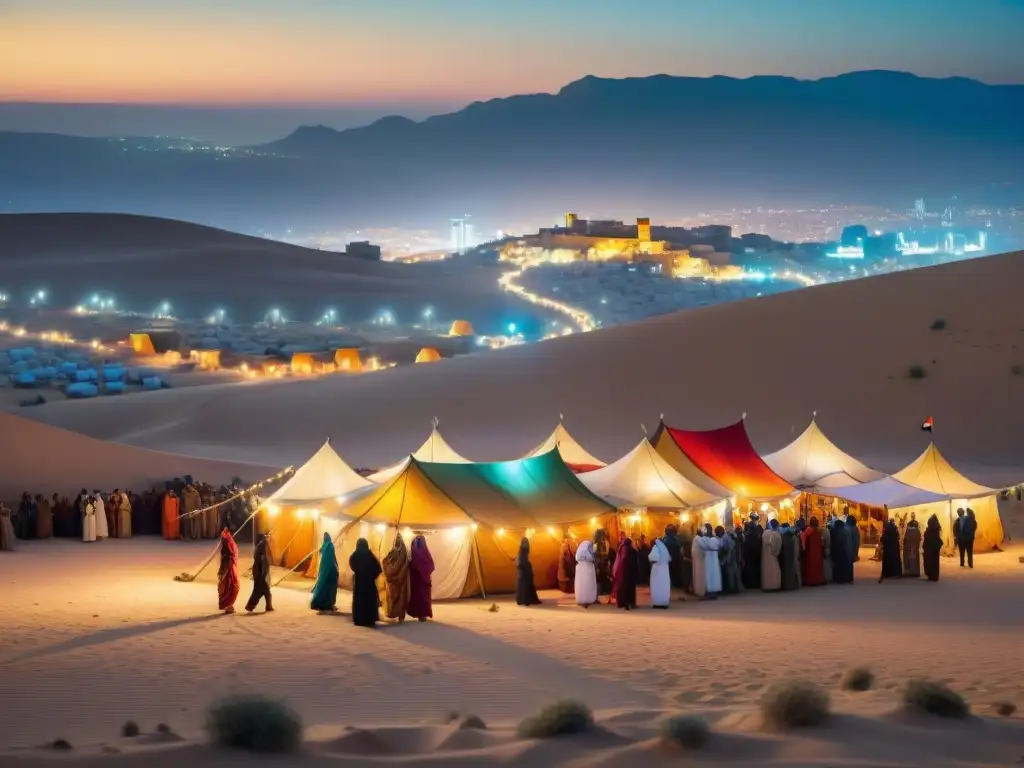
x=654, y=145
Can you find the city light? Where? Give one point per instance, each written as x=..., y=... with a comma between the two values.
x=216, y=317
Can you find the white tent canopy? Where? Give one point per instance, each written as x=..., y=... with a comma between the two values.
x=571, y=451
x=887, y=492
x=642, y=478
x=814, y=460
x=434, y=450
x=932, y=472
x=325, y=476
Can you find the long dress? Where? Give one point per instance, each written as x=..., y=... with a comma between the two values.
x=25, y=522
x=6, y=528
x=526, y=592
x=192, y=526
x=63, y=525
x=624, y=575
x=227, y=575
x=789, y=562
x=675, y=566
x=771, y=572
x=826, y=553
x=643, y=563
x=699, y=582
x=124, y=516
x=566, y=568
x=260, y=576
x=661, y=580
x=710, y=546
x=421, y=569
x=170, y=525
x=729, y=559
x=89, y=521
x=603, y=566
x=912, y=551
x=396, y=580
x=854, y=531
x=102, y=524
x=44, y=519
x=585, y=585
x=365, y=598
x=892, y=566
x=932, y=549
x=325, y=590
x=752, y=544
x=842, y=555
x=813, y=563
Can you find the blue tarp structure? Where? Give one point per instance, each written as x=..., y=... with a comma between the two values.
x=86, y=376
x=81, y=389
x=113, y=373
x=68, y=369
x=152, y=382
x=25, y=379
x=114, y=387
x=46, y=373
x=25, y=353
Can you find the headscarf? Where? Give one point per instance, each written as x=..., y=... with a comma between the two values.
x=620, y=558
x=421, y=561
x=397, y=560
x=660, y=553
x=585, y=553
x=327, y=548
x=227, y=542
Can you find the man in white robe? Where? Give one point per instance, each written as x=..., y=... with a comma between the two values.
x=661, y=582
x=102, y=530
x=89, y=520
x=585, y=583
x=712, y=568
x=700, y=588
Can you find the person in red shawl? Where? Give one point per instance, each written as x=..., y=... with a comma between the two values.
x=813, y=556
x=420, y=568
x=170, y=525
x=624, y=574
x=227, y=574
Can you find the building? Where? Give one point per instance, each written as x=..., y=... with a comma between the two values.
x=462, y=235
x=363, y=249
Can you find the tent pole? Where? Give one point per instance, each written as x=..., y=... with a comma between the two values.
x=479, y=568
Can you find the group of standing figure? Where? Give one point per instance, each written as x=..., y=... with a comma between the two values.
x=902, y=559
x=404, y=590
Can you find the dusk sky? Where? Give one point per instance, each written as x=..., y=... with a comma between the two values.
x=422, y=56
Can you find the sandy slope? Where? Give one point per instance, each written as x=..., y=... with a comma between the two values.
x=128, y=642
x=843, y=350
x=143, y=261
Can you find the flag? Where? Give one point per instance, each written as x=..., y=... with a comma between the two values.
x=928, y=424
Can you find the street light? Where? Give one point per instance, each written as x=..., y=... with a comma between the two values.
x=428, y=314
x=511, y=329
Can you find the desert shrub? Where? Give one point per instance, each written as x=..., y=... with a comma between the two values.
x=858, y=679
x=794, y=704
x=472, y=723
x=685, y=731
x=562, y=718
x=163, y=728
x=254, y=723
x=934, y=699
x=130, y=729
x=917, y=372
x=1004, y=708
x=61, y=745
x=938, y=324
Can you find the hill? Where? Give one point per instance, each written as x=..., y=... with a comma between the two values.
x=844, y=350
x=144, y=261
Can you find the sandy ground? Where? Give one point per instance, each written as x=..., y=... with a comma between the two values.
x=95, y=635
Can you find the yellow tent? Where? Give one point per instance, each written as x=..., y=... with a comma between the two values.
x=461, y=328
x=141, y=344
x=207, y=359
x=428, y=355
x=303, y=363
x=348, y=360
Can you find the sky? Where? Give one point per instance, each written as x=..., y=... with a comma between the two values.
x=350, y=60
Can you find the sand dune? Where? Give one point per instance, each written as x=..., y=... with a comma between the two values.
x=143, y=261
x=843, y=350
x=130, y=643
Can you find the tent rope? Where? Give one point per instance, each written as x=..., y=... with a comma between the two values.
x=188, y=577
x=240, y=494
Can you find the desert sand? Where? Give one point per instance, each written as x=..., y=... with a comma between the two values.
x=125, y=641
x=843, y=350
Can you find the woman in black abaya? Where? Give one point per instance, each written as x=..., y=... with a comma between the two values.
x=365, y=598
x=932, y=548
x=892, y=562
x=526, y=592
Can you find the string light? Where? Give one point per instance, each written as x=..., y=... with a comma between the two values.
x=407, y=533
x=316, y=513
x=301, y=514
x=381, y=527
x=474, y=526
x=501, y=531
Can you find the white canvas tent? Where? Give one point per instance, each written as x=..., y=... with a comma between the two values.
x=434, y=450
x=572, y=453
x=643, y=479
x=325, y=476
x=812, y=460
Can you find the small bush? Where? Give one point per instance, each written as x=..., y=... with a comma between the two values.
x=563, y=718
x=254, y=723
x=917, y=372
x=163, y=728
x=686, y=732
x=938, y=324
x=130, y=729
x=858, y=679
x=934, y=699
x=794, y=704
x=472, y=723
x=1004, y=708
x=61, y=745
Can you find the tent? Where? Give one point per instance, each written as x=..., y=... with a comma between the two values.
x=348, y=360
x=812, y=460
x=473, y=516
x=461, y=328
x=434, y=449
x=428, y=355
x=304, y=363
x=574, y=454
x=289, y=513
x=931, y=486
x=206, y=359
x=141, y=344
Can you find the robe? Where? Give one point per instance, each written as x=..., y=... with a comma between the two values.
x=526, y=592
x=854, y=530
x=892, y=565
x=643, y=564
x=813, y=562
x=227, y=574
x=44, y=519
x=63, y=522
x=566, y=569
x=789, y=561
x=729, y=559
x=102, y=523
x=325, y=590
x=124, y=516
x=585, y=585
x=675, y=566
x=826, y=553
x=752, y=545
x=110, y=513
x=25, y=521
x=686, y=560
x=169, y=522
x=710, y=547
x=912, y=552
x=699, y=582
x=260, y=576
x=78, y=515
x=624, y=575
x=421, y=569
x=211, y=520
x=842, y=555
x=661, y=580
x=365, y=599
x=932, y=551
x=603, y=567
x=192, y=526
x=89, y=522
x=7, y=536
x=771, y=572
x=396, y=580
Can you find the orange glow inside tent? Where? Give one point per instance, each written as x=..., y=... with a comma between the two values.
x=727, y=456
x=428, y=355
x=207, y=359
x=461, y=328
x=303, y=362
x=348, y=360
x=142, y=344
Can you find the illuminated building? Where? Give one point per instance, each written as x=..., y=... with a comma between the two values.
x=462, y=235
